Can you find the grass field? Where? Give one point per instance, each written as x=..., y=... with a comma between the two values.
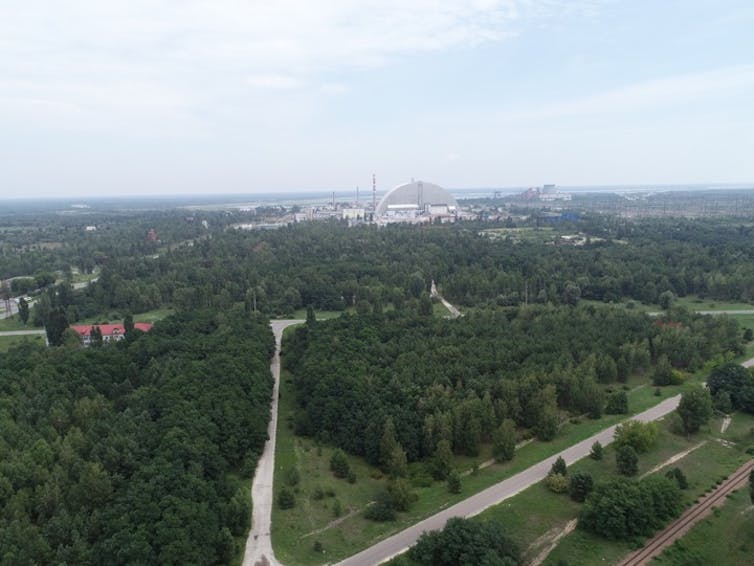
x=725, y=538
x=691, y=302
x=321, y=315
x=698, y=304
x=14, y=323
x=703, y=467
x=117, y=317
x=7, y=342
x=526, y=234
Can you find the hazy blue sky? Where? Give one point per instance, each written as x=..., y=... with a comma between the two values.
x=156, y=97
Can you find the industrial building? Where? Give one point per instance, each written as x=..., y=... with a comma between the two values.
x=416, y=201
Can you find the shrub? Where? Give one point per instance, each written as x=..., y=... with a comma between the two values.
x=622, y=509
x=559, y=467
x=627, y=460
x=402, y=496
x=286, y=500
x=580, y=485
x=678, y=476
x=292, y=477
x=318, y=494
x=639, y=436
x=722, y=402
x=339, y=464
x=617, y=403
x=597, y=450
x=556, y=483
x=465, y=541
x=382, y=508
x=454, y=482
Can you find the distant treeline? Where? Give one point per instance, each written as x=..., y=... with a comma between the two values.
x=331, y=266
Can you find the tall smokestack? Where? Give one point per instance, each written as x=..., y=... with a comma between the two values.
x=374, y=192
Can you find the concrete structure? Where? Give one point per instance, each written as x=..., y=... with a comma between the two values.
x=355, y=213
x=416, y=199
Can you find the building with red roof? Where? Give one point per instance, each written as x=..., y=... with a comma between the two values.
x=110, y=332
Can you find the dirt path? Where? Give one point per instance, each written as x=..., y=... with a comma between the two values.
x=551, y=539
x=673, y=459
x=454, y=312
x=690, y=517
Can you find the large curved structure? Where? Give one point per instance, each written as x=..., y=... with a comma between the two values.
x=417, y=198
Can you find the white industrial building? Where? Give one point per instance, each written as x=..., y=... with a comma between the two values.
x=416, y=201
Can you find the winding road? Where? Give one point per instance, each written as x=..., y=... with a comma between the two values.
x=259, y=544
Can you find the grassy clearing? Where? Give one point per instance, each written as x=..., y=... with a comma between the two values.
x=439, y=310
x=291, y=527
x=525, y=234
x=695, y=303
x=321, y=315
x=703, y=467
x=14, y=323
x=7, y=342
x=724, y=538
x=117, y=317
x=356, y=533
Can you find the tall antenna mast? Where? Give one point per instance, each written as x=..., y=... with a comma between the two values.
x=374, y=192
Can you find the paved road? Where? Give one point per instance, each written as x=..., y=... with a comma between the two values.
x=731, y=311
x=21, y=332
x=493, y=495
x=259, y=544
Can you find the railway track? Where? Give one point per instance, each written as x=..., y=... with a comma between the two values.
x=689, y=518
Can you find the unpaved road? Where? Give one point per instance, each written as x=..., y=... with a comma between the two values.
x=259, y=544
x=493, y=495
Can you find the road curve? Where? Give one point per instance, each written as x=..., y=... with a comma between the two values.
x=259, y=544
x=400, y=542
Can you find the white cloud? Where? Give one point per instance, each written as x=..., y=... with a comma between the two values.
x=275, y=82
x=176, y=57
x=664, y=92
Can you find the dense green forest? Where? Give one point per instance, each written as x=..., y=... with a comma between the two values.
x=133, y=453
x=331, y=266
x=437, y=380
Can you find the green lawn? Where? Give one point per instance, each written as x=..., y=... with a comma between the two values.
x=7, y=342
x=691, y=302
x=724, y=538
x=703, y=467
x=321, y=315
x=439, y=310
x=292, y=529
x=14, y=323
x=698, y=304
x=114, y=317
